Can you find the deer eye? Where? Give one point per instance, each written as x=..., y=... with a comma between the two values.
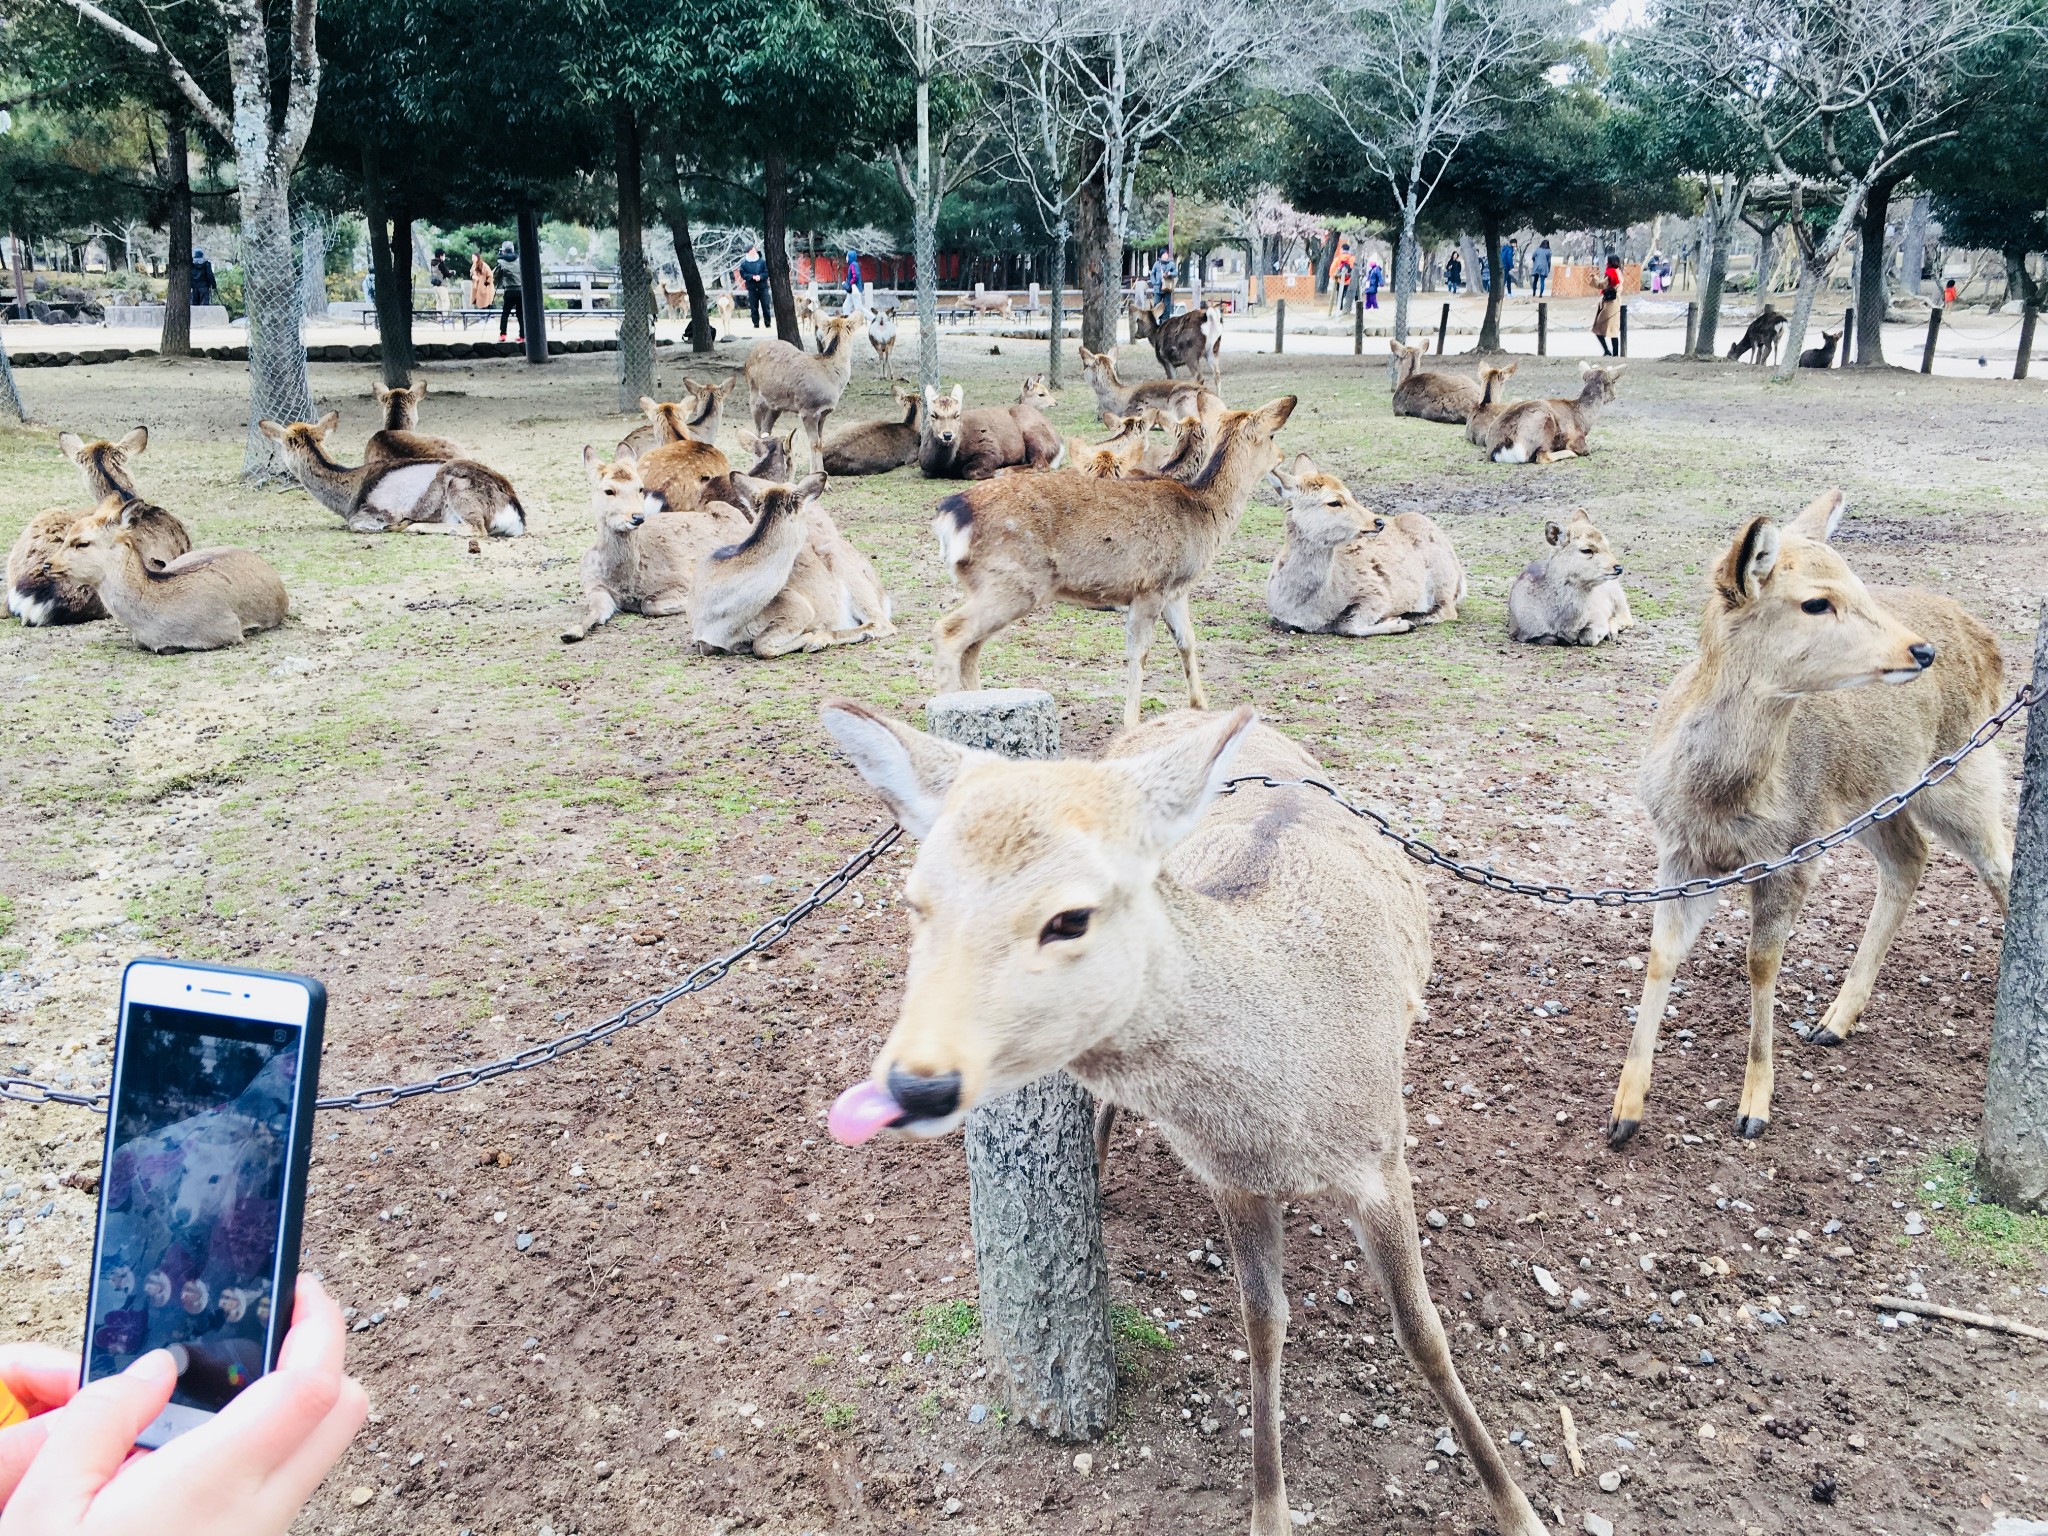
x=1066, y=925
x=1816, y=606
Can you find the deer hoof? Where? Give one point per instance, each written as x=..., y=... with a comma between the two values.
x=571, y=636
x=1825, y=1037
x=1619, y=1132
x=1750, y=1127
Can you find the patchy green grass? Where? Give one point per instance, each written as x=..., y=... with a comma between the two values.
x=835, y=1416
x=1971, y=1228
x=1137, y=1338
x=947, y=1329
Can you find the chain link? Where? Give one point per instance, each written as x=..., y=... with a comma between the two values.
x=1618, y=896
x=25, y=1090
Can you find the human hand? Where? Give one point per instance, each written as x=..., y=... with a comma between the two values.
x=41, y=1378
x=245, y=1472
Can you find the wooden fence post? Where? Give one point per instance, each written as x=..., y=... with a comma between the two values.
x=1542, y=327
x=2013, y=1161
x=1031, y=1176
x=1692, y=326
x=1279, y=325
x=1933, y=330
x=1443, y=327
x=1848, y=337
x=1621, y=344
x=1358, y=328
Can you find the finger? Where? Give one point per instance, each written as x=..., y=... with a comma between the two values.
x=88, y=1439
x=318, y=1336
x=317, y=1454
x=43, y=1377
x=18, y=1447
x=249, y=1439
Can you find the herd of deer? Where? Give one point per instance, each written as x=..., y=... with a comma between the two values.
x=1240, y=969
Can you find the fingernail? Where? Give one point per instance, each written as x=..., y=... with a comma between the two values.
x=157, y=1362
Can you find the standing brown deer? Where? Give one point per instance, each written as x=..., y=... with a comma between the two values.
x=1242, y=970
x=786, y=380
x=1193, y=340
x=1771, y=738
x=1018, y=542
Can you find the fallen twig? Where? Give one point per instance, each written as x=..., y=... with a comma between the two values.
x=1957, y=1315
x=1571, y=1440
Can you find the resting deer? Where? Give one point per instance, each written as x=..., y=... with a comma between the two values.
x=1822, y=356
x=782, y=588
x=1020, y=542
x=694, y=418
x=1543, y=431
x=458, y=496
x=1493, y=402
x=1185, y=450
x=881, y=325
x=1114, y=458
x=399, y=438
x=783, y=380
x=1333, y=576
x=1770, y=738
x=1243, y=970
x=642, y=564
x=37, y=593
x=201, y=601
x=876, y=447
x=1445, y=397
x=959, y=444
x=1114, y=400
x=1193, y=340
x=1573, y=595
x=1762, y=338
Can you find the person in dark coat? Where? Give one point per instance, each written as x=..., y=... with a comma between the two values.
x=203, y=284
x=506, y=275
x=754, y=274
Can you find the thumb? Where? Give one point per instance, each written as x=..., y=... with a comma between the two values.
x=89, y=1438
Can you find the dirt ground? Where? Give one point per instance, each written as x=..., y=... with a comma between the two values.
x=641, y=1291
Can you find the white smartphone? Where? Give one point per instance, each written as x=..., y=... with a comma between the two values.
x=203, y=1180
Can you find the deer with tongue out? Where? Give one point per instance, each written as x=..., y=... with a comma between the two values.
x=1240, y=969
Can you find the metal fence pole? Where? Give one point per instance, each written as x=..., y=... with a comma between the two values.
x=1933, y=330
x=1031, y=1175
x=1543, y=328
x=1848, y=337
x=1621, y=345
x=1279, y=325
x=1443, y=327
x=1358, y=328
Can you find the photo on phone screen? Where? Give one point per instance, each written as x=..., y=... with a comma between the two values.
x=202, y=1183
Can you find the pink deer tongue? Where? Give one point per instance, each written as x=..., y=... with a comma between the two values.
x=862, y=1112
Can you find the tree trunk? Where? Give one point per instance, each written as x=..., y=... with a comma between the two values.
x=1405, y=282
x=10, y=392
x=1326, y=258
x=1056, y=308
x=1102, y=264
x=636, y=294
x=2030, y=311
x=177, y=337
x=924, y=237
x=533, y=294
x=2013, y=1162
x=1489, y=328
x=1913, y=244
x=775, y=244
x=391, y=262
x=1032, y=1192
x=1723, y=215
x=313, y=268
x=277, y=350
x=21, y=277
x=701, y=337
x=1872, y=298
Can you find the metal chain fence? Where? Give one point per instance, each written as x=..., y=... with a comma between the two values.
x=26, y=1090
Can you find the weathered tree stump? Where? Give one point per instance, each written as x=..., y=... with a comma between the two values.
x=1031, y=1175
x=2014, y=1161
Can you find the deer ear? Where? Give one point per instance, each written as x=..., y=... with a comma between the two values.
x=1823, y=515
x=266, y=426
x=381, y=394
x=810, y=488
x=72, y=444
x=1748, y=564
x=1274, y=413
x=911, y=771
x=959, y=394
x=418, y=391
x=135, y=441
x=327, y=423
x=651, y=407
x=591, y=461
x=1175, y=783
x=1552, y=534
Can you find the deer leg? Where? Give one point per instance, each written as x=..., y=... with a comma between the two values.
x=1182, y=628
x=666, y=606
x=1773, y=907
x=1251, y=1225
x=1968, y=813
x=960, y=634
x=1676, y=926
x=1140, y=619
x=1361, y=626
x=1382, y=1218
x=1105, y=1123
x=814, y=428
x=1901, y=860
x=598, y=608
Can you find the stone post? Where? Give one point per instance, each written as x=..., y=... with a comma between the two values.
x=1031, y=1175
x=2014, y=1161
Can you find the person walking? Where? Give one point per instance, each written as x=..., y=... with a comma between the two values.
x=856, y=284
x=506, y=276
x=481, y=288
x=1655, y=268
x=1507, y=270
x=1454, y=273
x=1539, y=270
x=1607, y=318
x=754, y=276
x=203, y=283
x=1373, y=278
x=1341, y=273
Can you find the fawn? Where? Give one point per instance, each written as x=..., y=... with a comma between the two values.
x=1334, y=577
x=1573, y=595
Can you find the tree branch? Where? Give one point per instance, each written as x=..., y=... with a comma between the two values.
x=216, y=119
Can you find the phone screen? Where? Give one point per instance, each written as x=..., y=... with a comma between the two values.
x=193, y=1198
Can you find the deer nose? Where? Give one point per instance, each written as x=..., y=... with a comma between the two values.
x=1617, y=570
x=638, y=519
x=925, y=1098
x=1923, y=653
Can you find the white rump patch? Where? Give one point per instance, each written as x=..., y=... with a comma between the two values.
x=34, y=612
x=953, y=539
x=508, y=522
x=400, y=491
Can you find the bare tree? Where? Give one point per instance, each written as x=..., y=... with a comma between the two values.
x=267, y=135
x=1840, y=93
x=1410, y=82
